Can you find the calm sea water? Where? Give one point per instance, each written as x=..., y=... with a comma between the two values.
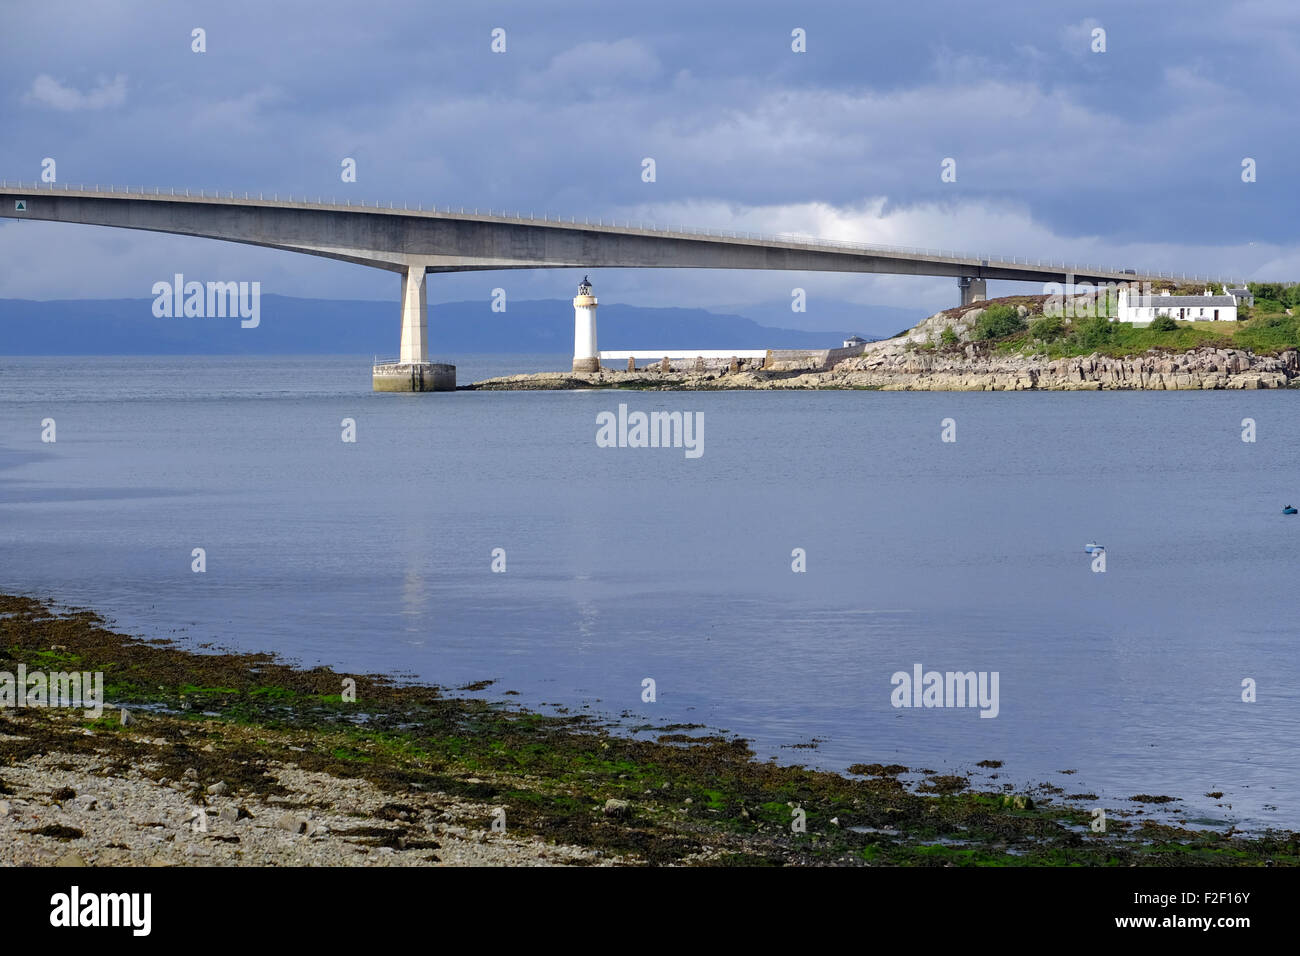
x=624, y=564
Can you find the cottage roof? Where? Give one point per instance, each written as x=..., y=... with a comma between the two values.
x=1181, y=301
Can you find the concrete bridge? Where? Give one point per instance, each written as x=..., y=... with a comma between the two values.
x=414, y=241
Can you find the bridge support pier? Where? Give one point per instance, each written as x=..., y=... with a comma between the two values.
x=415, y=317
x=413, y=372
x=973, y=289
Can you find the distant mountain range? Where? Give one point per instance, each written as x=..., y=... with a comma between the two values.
x=868, y=321
x=292, y=326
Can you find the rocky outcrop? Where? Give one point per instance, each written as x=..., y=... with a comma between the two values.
x=891, y=365
x=962, y=320
x=912, y=361
x=894, y=368
x=897, y=368
x=916, y=361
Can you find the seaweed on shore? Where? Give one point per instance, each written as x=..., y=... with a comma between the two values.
x=569, y=779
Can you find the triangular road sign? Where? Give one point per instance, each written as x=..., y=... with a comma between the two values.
x=20, y=205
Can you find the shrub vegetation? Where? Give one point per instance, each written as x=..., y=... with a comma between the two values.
x=997, y=322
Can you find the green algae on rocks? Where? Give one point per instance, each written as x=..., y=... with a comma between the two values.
x=680, y=798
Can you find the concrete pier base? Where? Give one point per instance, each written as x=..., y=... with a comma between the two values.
x=586, y=365
x=413, y=372
x=414, y=377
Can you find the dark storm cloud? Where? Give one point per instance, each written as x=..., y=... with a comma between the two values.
x=1060, y=151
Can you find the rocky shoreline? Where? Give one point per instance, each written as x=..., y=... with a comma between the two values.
x=243, y=760
x=966, y=371
x=915, y=361
x=895, y=368
x=919, y=371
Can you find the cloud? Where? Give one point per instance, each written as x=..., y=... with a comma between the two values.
x=245, y=113
x=47, y=91
x=1076, y=39
x=596, y=65
x=125, y=263
x=982, y=227
x=1189, y=80
x=1124, y=156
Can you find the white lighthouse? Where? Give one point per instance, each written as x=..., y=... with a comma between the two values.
x=585, y=356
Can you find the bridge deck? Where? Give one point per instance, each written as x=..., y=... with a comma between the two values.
x=907, y=260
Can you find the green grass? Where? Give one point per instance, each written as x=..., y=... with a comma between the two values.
x=1262, y=334
x=1271, y=333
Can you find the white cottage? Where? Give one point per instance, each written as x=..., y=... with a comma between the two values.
x=1242, y=294
x=1141, y=309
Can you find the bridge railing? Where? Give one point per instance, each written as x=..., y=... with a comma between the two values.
x=981, y=259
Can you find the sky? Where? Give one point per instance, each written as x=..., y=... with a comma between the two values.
x=1132, y=155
